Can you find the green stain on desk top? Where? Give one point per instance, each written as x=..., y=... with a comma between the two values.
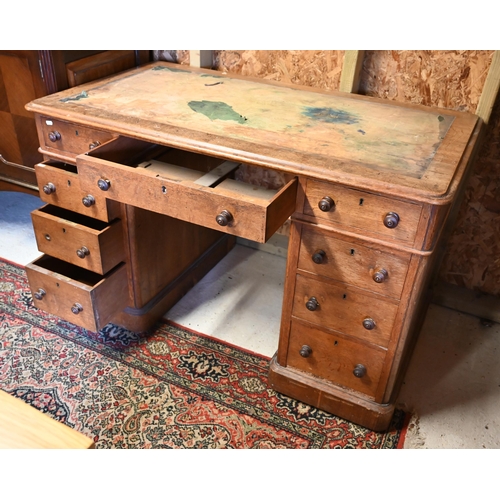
x=330, y=115
x=77, y=97
x=173, y=70
x=216, y=110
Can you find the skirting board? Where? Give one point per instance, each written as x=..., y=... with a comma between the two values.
x=467, y=301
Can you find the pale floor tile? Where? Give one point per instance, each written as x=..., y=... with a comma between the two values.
x=238, y=301
x=17, y=239
x=453, y=382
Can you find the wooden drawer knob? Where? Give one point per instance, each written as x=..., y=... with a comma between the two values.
x=88, y=201
x=224, y=218
x=326, y=204
x=319, y=257
x=368, y=323
x=49, y=188
x=305, y=351
x=103, y=184
x=380, y=275
x=312, y=304
x=76, y=308
x=83, y=252
x=359, y=371
x=391, y=220
x=54, y=136
x=39, y=294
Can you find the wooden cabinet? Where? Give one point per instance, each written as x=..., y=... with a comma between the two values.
x=28, y=74
x=140, y=170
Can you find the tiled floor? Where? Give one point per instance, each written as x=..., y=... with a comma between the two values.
x=17, y=240
x=239, y=301
x=452, y=386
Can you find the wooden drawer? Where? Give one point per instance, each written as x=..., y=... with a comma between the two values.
x=335, y=358
x=350, y=262
x=361, y=211
x=345, y=309
x=60, y=185
x=80, y=240
x=79, y=296
x=67, y=140
x=176, y=186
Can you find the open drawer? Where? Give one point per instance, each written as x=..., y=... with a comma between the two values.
x=86, y=242
x=75, y=294
x=59, y=185
x=187, y=186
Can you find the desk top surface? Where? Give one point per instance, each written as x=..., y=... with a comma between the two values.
x=356, y=140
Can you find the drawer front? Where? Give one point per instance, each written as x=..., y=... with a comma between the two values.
x=80, y=240
x=60, y=185
x=211, y=201
x=335, y=358
x=68, y=139
x=77, y=295
x=361, y=211
x=345, y=309
x=352, y=263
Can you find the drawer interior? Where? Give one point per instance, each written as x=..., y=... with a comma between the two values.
x=138, y=154
x=73, y=217
x=60, y=165
x=181, y=166
x=68, y=270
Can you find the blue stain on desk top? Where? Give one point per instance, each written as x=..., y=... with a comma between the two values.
x=330, y=115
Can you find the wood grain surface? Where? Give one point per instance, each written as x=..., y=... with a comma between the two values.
x=22, y=426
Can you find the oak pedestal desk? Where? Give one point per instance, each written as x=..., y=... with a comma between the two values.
x=143, y=198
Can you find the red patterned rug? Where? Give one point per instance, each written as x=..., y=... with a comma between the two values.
x=172, y=388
